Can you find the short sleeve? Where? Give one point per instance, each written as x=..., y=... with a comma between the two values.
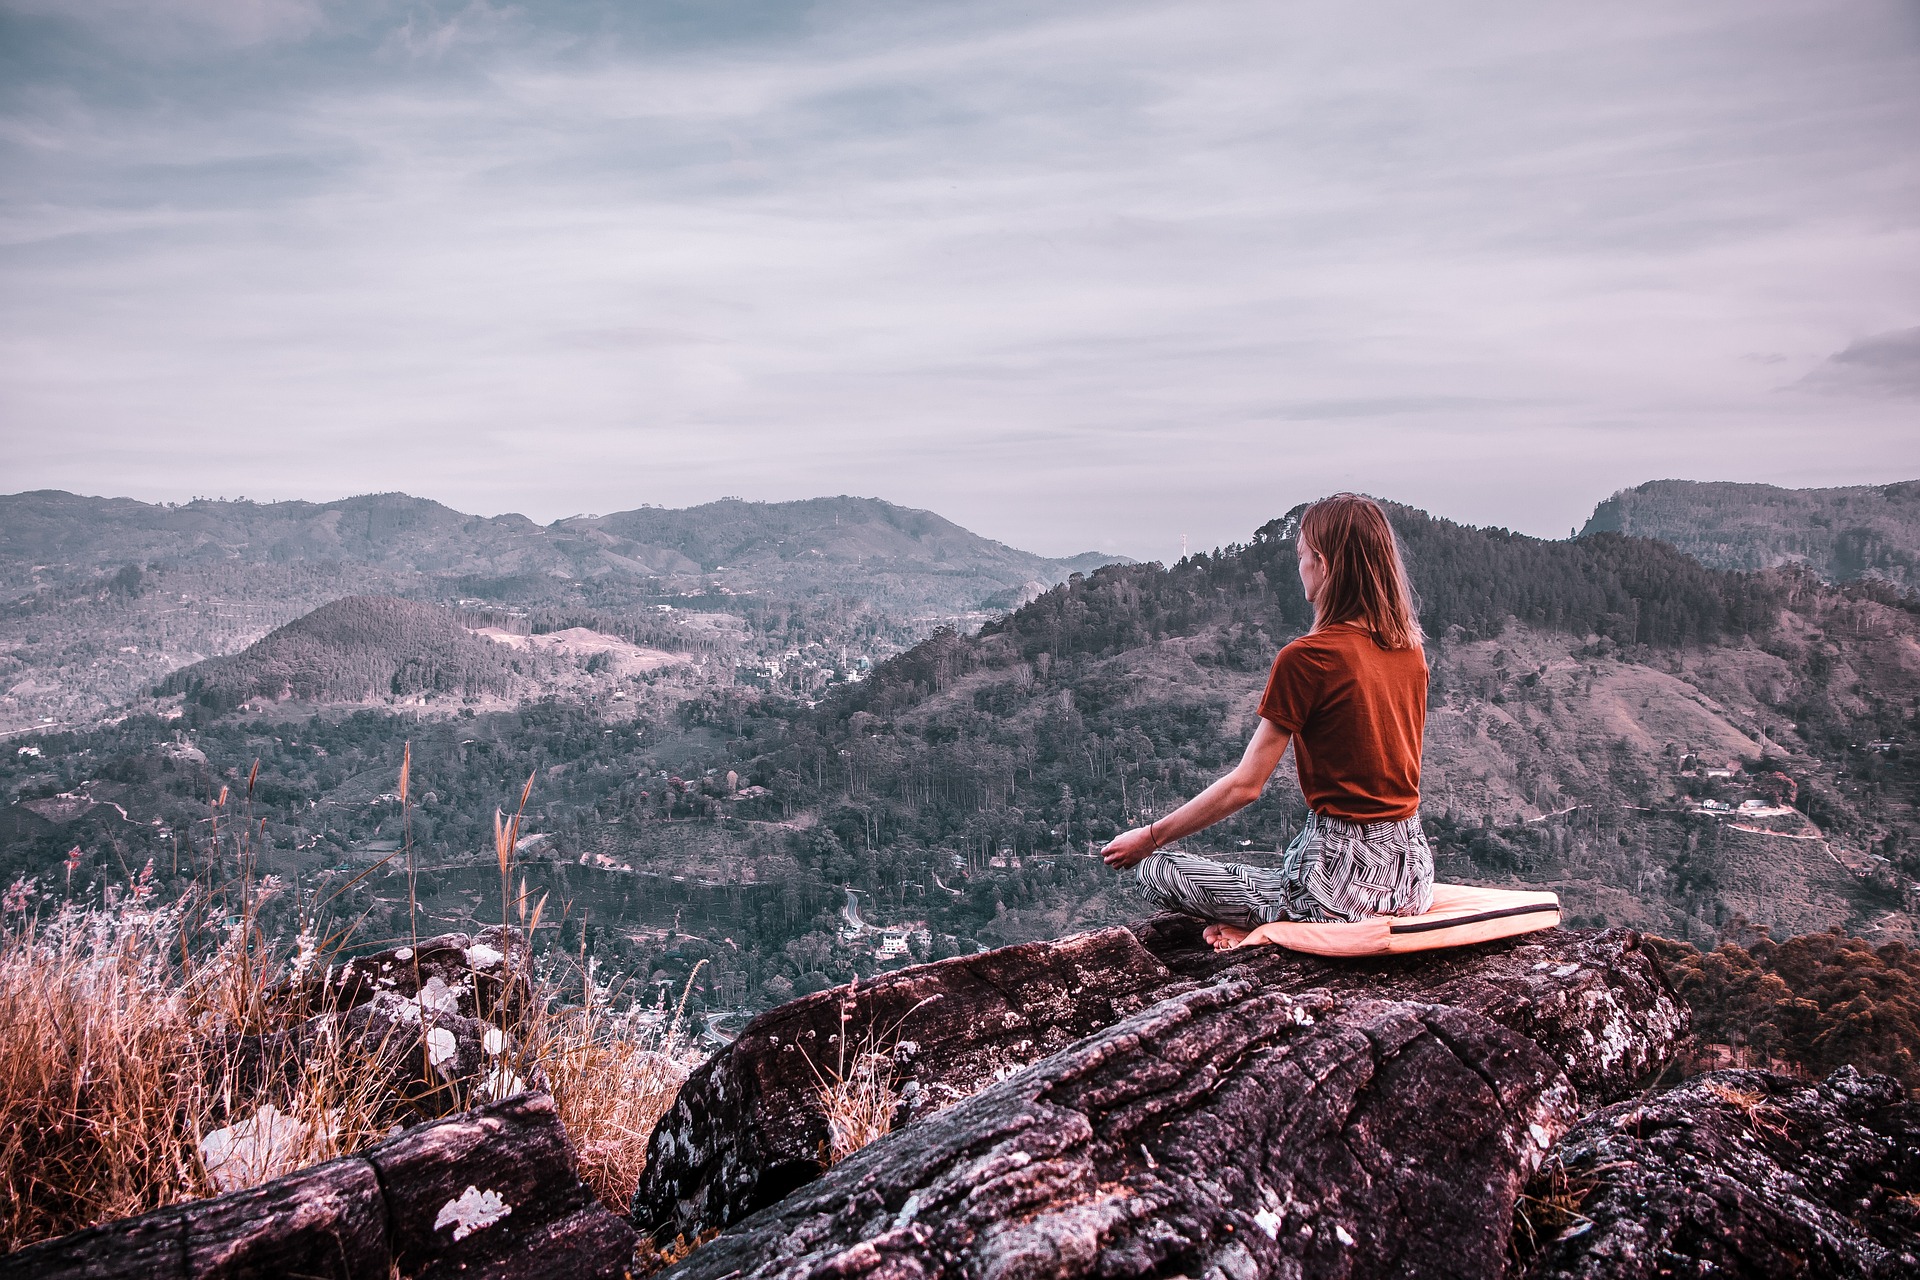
x=1294, y=687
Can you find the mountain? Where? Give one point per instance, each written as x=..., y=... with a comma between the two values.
x=1589, y=699
x=50, y=529
x=109, y=595
x=761, y=546
x=1844, y=535
x=735, y=534
x=361, y=649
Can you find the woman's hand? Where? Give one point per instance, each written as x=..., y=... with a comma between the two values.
x=1230, y=794
x=1129, y=847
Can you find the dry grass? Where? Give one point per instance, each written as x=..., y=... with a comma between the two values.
x=650, y=1259
x=1743, y=1100
x=857, y=1093
x=859, y=1105
x=117, y=1063
x=613, y=1076
x=1551, y=1208
x=1761, y=1114
x=114, y=1066
x=123, y=1084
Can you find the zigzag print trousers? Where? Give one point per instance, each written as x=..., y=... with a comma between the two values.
x=1334, y=870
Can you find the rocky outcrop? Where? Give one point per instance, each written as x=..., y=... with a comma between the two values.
x=433, y=1024
x=1231, y=1131
x=425, y=1063
x=484, y=977
x=1736, y=1173
x=749, y=1126
x=1120, y=1103
x=1597, y=999
x=491, y=1193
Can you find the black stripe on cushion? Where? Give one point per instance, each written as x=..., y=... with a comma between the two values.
x=1423, y=926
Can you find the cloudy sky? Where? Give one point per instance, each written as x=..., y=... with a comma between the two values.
x=1075, y=275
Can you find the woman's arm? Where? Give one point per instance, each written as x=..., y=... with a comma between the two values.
x=1229, y=795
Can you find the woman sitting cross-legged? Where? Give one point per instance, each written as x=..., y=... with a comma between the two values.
x=1351, y=696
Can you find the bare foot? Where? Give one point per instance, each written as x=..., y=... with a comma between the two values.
x=1224, y=937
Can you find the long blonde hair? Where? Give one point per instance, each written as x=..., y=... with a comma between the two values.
x=1366, y=578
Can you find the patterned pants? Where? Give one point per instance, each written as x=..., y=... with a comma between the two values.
x=1333, y=870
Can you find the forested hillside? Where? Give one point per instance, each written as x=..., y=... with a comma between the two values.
x=1471, y=583
x=1813, y=1003
x=1844, y=535
x=363, y=648
x=1572, y=682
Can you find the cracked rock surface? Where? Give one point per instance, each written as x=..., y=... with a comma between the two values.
x=1597, y=999
x=490, y=1194
x=1231, y=1131
x=748, y=1127
x=1738, y=1173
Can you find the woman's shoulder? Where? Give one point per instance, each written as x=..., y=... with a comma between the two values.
x=1346, y=645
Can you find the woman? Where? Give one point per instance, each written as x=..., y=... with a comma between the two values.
x=1351, y=696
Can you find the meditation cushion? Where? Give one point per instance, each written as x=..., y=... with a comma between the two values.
x=1461, y=914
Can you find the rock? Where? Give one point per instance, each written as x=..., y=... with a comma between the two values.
x=1736, y=1173
x=550, y=1225
x=462, y=1060
x=1600, y=1000
x=1230, y=1132
x=748, y=1126
x=326, y=1221
x=484, y=977
x=488, y=1194
x=253, y=1149
x=443, y=1060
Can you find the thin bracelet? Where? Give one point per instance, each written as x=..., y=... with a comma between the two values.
x=1152, y=839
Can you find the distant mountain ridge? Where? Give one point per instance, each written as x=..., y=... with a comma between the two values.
x=408, y=535
x=1842, y=534
x=100, y=598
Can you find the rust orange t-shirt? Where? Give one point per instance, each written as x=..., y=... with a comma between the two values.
x=1357, y=714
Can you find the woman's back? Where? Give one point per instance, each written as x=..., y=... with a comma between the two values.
x=1357, y=714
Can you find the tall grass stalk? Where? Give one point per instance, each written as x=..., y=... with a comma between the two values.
x=413, y=896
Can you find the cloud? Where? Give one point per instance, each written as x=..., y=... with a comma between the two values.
x=1076, y=274
x=173, y=28
x=425, y=33
x=1885, y=364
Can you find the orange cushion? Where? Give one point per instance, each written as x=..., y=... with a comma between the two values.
x=1462, y=914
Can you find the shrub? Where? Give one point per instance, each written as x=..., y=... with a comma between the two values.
x=1813, y=1003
